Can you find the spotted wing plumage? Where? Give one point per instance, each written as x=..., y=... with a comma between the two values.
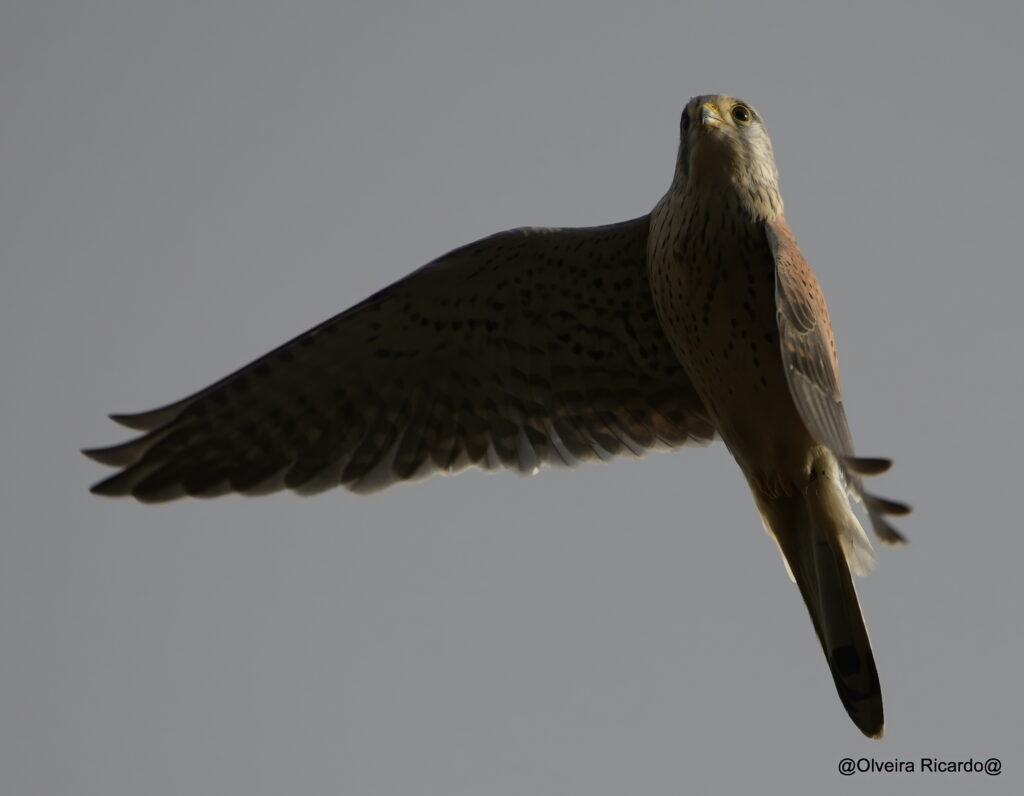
x=530, y=347
x=812, y=372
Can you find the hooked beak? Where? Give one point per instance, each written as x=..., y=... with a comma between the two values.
x=709, y=115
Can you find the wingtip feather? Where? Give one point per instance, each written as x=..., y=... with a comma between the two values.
x=868, y=465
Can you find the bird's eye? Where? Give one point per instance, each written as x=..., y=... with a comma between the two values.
x=741, y=113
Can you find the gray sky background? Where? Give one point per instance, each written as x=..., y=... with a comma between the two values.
x=183, y=186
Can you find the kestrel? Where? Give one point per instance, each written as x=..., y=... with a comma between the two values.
x=554, y=346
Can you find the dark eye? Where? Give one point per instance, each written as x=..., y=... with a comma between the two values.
x=684, y=123
x=741, y=113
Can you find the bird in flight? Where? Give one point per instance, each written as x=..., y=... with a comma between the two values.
x=547, y=346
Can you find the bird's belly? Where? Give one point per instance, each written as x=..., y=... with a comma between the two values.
x=721, y=323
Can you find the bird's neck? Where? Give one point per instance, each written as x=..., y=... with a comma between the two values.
x=720, y=180
x=753, y=199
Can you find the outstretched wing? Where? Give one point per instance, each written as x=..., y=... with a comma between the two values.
x=812, y=371
x=529, y=347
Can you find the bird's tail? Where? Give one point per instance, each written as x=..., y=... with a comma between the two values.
x=821, y=541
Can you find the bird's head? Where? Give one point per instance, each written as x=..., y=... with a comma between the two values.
x=725, y=152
